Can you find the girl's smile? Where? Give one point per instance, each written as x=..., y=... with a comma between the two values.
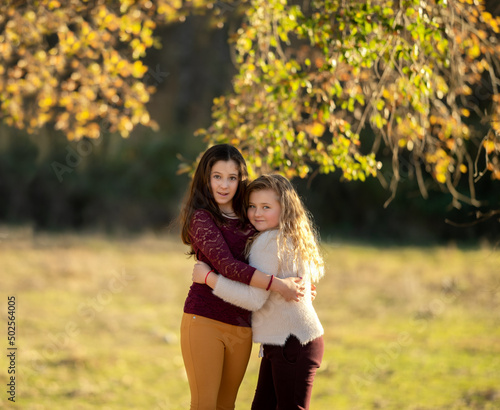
x=224, y=178
x=264, y=209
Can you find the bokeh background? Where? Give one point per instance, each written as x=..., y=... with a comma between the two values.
x=114, y=184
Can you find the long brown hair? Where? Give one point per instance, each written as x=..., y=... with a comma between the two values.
x=200, y=196
x=296, y=229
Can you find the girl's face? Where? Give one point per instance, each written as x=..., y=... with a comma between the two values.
x=264, y=209
x=224, y=179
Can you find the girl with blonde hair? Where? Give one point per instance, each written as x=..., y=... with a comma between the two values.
x=289, y=331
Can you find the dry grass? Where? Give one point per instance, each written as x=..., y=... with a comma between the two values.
x=98, y=325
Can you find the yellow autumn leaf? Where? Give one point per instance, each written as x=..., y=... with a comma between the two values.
x=54, y=5
x=30, y=16
x=441, y=178
x=45, y=102
x=316, y=129
x=124, y=133
x=303, y=171
x=145, y=119
x=489, y=146
x=136, y=27
x=474, y=51
x=93, y=130
x=495, y=27
x=138, y=69
x=487, y=16
x=82, y=116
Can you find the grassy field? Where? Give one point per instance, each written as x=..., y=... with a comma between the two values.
x=98, y=325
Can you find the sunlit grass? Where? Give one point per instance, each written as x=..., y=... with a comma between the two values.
x=98, y=325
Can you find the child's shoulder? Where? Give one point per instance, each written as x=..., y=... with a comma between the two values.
x=202, y=214
x=201, y=218
x=266, y=238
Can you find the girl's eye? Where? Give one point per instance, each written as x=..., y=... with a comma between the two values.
x=216, y=176
x=251, y=206
x=234, y=179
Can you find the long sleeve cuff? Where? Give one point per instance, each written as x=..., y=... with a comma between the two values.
x=239, y=294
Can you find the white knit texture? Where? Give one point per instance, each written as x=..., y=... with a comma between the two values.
x=273, y=319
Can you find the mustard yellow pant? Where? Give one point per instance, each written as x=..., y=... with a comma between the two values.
x=216, y=357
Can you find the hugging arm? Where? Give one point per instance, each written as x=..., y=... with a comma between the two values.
x=247, y=297
x=207, y=237
x=264, y=256
x=238, y=294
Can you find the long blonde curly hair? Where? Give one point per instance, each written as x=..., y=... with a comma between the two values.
x=296, y=228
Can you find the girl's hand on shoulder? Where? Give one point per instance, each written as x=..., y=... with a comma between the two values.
x=313, y=291
x=292, y=289
x=200, y=271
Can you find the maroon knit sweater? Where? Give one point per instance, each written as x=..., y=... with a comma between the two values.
x=223, y=248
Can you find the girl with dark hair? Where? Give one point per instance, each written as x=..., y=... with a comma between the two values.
x=216, y=336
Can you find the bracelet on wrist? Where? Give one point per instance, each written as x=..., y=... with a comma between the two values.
x=270, y=281
x=206, y=277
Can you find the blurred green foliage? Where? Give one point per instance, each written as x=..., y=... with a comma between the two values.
x=131, y=185
x=312, y=76
x=116, y=183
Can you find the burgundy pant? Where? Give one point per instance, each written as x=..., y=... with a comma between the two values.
x=286, y=375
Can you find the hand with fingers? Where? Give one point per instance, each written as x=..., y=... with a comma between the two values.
x=200, y=271
x=292, y=288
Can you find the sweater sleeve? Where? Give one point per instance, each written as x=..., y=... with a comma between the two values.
x=264, y=256
x=239, y=294
x=207, y=237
